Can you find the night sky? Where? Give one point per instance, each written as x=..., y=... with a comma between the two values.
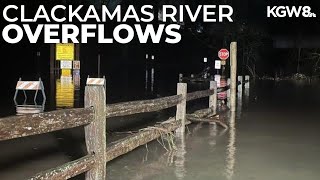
x=282, y=33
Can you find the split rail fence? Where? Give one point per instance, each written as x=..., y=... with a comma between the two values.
x=93, y=118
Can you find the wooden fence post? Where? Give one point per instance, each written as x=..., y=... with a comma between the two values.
x=95, y=133
x=181, y=107
x=233, y=76
x=213, y=97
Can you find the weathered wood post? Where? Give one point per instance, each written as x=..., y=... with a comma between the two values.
x=233, y=76
x=181, y=107
x=95, y=133
x=213, y=97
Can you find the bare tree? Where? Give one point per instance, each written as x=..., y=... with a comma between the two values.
x=313, y=55
x=250, y=40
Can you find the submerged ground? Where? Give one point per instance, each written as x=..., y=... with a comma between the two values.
x=274, y=135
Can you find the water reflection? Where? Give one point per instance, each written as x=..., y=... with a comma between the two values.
x=239, y=101
x=68, y=89
x=76, y=79
x=246, y=96
x=231, y=148
x=149, y=78
x=64, y=92
x=146, y=79
x=180, y=170
x=152, y=79
x=213, y=131
x=77, y=85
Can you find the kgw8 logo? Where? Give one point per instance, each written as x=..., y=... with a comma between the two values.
x=287, y=11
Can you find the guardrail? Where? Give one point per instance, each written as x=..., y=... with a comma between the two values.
x=93, y=117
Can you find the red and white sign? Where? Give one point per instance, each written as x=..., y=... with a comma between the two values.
x=222, y=95
x=223, y=54
x=28, y=85
x=95, y=81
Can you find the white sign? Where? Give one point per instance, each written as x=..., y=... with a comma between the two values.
x=66, y=64
x=205, y=60
x=217, y=64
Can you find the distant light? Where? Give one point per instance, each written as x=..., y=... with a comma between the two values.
x=205, y=60
x=152, y=57
x=199, y=28
x=147, y=56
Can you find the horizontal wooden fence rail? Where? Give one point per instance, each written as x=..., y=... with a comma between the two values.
x=226, y=88
x=28, y=125
x=223, y=89
x=199, y=94
x=93, y=118
x=135, y=107
x=68, y=170
x=146, y=135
